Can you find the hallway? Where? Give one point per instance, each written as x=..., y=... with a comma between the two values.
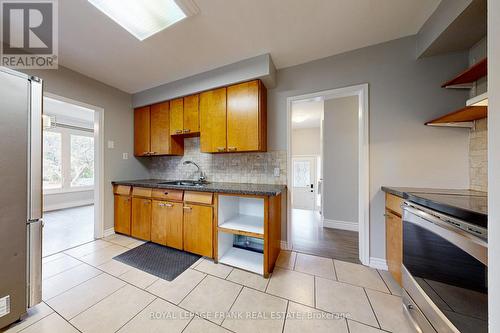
x=309, y=237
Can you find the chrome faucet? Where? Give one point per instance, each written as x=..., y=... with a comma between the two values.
x=202, y=176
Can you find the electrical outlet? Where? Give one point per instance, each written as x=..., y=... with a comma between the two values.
x=111, y=144
x=277, y=172
x=125, y=156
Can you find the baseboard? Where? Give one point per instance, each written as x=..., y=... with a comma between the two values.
x=284, y=245
x=108, y=232
x=378, y=263
x=70, y=204
x=343, y=225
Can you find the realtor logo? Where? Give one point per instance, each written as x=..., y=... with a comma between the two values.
x=29, y=34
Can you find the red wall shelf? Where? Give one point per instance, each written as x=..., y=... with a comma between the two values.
x=465, y=79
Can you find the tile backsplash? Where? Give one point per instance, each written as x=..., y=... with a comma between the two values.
x=256, y=168
x=478, y=156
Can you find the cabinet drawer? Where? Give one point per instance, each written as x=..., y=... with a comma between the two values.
x=166, y=194
x=141, y=192
x=121, y=189
x=199, y=197
x=394, y=203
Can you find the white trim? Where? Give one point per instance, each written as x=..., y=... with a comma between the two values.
x=284, y=246
x=98, y=160
x=378, y=263
x=108, y=232
x=342, y=225
x=364, y=159
x=69, y=204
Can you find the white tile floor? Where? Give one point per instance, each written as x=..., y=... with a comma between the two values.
x=85, y=290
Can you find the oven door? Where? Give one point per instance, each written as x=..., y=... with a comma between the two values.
x=444, y=273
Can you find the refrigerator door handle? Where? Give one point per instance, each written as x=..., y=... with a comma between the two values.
x=35, y=152
x=34, y=287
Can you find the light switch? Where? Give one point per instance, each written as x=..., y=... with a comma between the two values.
x=111, y=144
x=277, y=172
x=125, y=156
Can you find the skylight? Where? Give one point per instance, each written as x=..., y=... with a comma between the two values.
x=142, y=18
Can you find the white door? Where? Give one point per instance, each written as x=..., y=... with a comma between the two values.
x=304, y=183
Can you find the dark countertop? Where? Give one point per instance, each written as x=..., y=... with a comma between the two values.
x=230, y=188
x=467, y=205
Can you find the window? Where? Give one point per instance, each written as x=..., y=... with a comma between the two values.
x=52, y=164
x=301, y=173
x=68, y=160
x=82, y=161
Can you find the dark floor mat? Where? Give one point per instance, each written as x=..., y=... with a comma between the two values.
x=164, y=262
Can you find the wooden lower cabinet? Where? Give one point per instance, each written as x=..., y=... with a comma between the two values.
x=394, y=244
x=141, y=218
x=123, y=208
x=166, y=224
x=198, y=230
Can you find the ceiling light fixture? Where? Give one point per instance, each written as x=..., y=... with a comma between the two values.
x=146, y=17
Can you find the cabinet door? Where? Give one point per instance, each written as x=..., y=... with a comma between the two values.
x=142, y=129
x=160, y=130
x=191, y=114
x=174, y=225
x=198, y=229
x=243, y=117
x=394, y=244
x=213, y=121
x=141, y=218
x=122, y=214
x=176, y=116
x=166, y=223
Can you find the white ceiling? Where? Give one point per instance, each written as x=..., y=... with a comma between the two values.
x=226, y=31
x=307, y=114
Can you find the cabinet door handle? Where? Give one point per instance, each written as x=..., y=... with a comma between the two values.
x=178, y=131
x=221, y=148
x=187, y=208
x=168, y=205
x=166, y=193
x=145, y=153
x=152, y=153
x=231, y=148
x=161, y=204
x=186, y=130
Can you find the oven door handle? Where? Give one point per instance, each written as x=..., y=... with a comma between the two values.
x=409, y=315
x=475, y=246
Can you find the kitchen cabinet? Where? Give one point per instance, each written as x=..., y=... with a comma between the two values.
x=166, y=224
x=246, y=117
x=191, y=114
x=141, y=218
x=152, y=132
x=213, y=121
x=122, y=214
x=394, y=235
x=198, y=229
x=176, y=116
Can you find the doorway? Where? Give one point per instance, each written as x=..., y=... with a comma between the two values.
x=328, y=174
x=71, y=174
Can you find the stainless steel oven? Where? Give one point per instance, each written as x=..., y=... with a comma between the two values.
x=444, y=272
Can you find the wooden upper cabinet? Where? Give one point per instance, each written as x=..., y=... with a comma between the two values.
x=176, y=116
x=161, y=141
x=213, y=121
x=142, y=131
x=191, y=115
x=246, y=117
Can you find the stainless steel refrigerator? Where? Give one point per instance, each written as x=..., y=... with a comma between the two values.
x=20, y=194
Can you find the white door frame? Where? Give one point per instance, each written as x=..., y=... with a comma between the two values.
x=315, y=157
x=98, y=160
x=364, y=161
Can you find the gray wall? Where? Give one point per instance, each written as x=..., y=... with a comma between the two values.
x=118, y=125
x=340, y=153
x=404, y=94
x=494, y=165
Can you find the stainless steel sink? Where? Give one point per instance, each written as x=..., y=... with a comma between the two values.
x=193, y=183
